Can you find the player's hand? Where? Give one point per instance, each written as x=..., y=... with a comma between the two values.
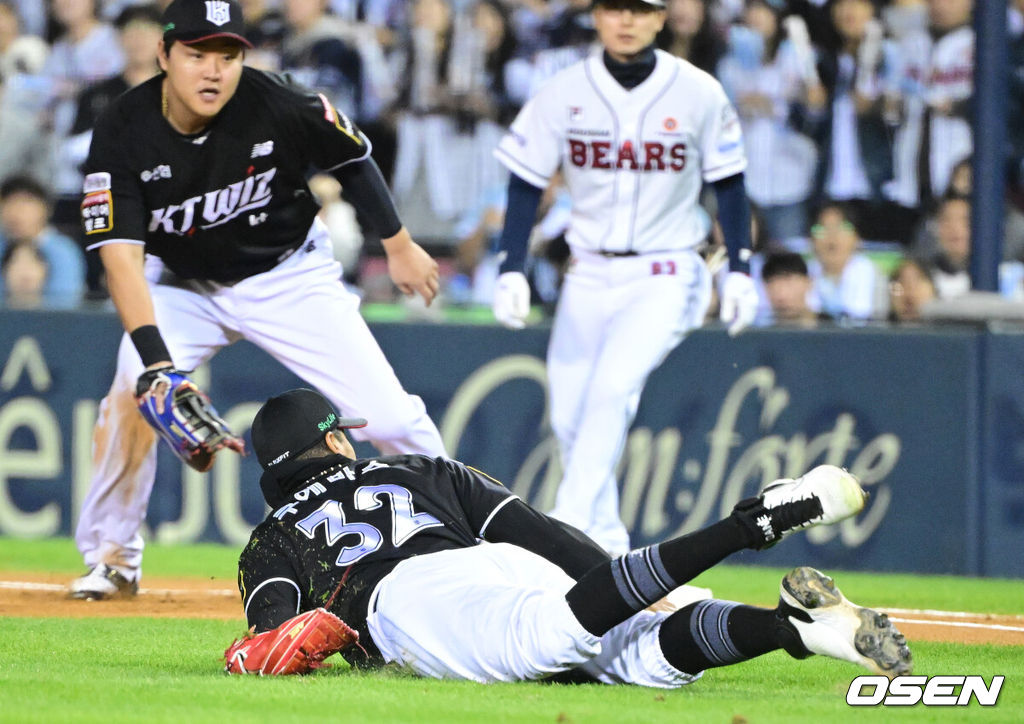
x=739, y=301
x=512, y=299
x=411, y=268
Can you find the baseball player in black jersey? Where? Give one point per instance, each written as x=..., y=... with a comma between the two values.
x=195, y=196
x=444, y=571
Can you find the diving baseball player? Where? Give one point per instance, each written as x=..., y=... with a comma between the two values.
x=636, y=133
x=195, y=197
x=391, y=545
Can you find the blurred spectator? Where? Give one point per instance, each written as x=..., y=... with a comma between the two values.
x=571, y=37
x=314, y=53
x=24, y=271
x=910, y=287
x=23, y=148
x=939, y=81
x=846, y=283
x=478, y=232
x=787, y=283
x=139, y=32
x=24, y=219
x=950, y=243
x=265, y=28
x=764, y=77
x=690, y=34
x=861, y=76
x=340, y=218
x=904, y=17
x=87, y=50
x=447, y=129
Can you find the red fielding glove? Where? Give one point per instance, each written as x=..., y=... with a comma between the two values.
x=297, y=646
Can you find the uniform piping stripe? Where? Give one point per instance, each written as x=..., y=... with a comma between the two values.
x=723, y=631
x=659, y=571
x=639, y=130
x=615, y=136
x=369, y=148
x=623, y=586
x=98, y=244
x=274, y=580
x=499, y=506
x=511, y=160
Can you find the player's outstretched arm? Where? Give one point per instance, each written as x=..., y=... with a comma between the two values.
x=411, y=268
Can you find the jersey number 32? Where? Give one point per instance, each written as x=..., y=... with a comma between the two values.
x=405, y=523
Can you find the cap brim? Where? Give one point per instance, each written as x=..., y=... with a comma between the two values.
x=212, y=36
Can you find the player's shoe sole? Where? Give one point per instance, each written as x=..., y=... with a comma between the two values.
x=830, y=625
x=102, y=583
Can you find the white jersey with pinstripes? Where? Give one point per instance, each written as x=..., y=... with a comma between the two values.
x=633, y=160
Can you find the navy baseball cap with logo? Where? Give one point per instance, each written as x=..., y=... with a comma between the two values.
x=193, y=21
x=290, y=424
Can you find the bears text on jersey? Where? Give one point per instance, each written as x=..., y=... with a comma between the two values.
x=648, y=156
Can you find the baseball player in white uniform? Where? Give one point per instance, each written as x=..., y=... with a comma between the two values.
x=636, y=133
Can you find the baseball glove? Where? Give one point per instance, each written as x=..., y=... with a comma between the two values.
x=297, y=646
x=184, y=417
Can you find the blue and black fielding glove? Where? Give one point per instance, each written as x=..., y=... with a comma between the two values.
x=183, y=416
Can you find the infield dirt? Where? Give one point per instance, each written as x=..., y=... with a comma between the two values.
x=44, y=595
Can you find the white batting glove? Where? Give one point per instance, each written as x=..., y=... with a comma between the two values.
x=512, y=299
x=738, y=301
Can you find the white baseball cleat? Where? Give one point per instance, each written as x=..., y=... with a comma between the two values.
x=104, y=582
x=816, y=618
x=823, y=496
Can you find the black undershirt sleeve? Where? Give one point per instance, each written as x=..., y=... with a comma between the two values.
x=568, y=548
x=364, y=185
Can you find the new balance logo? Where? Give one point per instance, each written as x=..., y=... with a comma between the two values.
x=764, y=522
x=262, y=149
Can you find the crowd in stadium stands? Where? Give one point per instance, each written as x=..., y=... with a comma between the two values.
x=856, y=116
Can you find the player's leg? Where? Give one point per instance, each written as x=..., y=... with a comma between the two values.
x=301, y=314
x=487, y=613
x=576, y=337
x=611, y=592
x=653, y=313
x=813, y=617
x=124, y=448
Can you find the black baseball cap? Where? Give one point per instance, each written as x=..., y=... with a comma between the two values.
x=655, y=3
x=289, y=424
x=193, y=21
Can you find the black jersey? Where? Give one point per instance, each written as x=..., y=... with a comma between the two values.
x=224, y=204
x=369, y=514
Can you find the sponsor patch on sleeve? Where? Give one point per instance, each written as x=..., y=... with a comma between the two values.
x=339, y=119
x=99, y=181
x=98, y=212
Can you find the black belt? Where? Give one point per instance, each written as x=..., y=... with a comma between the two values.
x=613, y=254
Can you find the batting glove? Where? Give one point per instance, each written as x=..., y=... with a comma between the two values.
x=512, y=299
x=739, y=301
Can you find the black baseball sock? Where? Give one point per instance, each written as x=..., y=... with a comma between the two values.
x=712, y=633
x=611, y=592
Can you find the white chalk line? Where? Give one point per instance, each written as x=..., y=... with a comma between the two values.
x=56, y=587
x=31, y=586
x=958, y=624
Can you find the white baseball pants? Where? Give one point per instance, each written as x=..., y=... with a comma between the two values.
x=301, y=314
x=617, y=320
x=497, y=612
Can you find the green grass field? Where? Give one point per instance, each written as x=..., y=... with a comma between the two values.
x=154, y=670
